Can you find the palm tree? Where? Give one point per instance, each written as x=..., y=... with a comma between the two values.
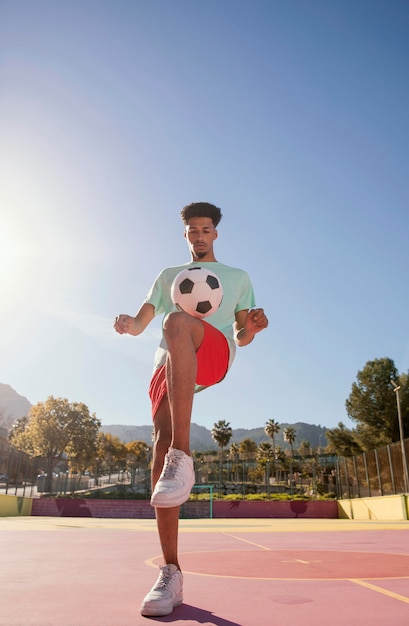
x=265, y=456
x=248, y=448
x=234, y=456
x=304, y=448
x=221, y=434
x=264, y=452
x=280, y=461
x=233, y=451
x=290, y=436
x=272, y=428
x=247, y=451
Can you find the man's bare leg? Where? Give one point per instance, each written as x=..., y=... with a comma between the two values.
x=167, y=592
x=167, y=520
x=183, y=334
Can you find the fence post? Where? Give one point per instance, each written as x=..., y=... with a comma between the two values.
x=391, y=469
x=356, y=476
x=378, y=472
x=347, y=478
x=338, y=479
x=367, y=474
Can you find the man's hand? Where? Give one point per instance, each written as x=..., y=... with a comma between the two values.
x=256, y=321
x=126, y=324
x=123, y=324
x=248, y=324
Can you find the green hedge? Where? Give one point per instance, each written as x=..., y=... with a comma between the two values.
x=128, y=495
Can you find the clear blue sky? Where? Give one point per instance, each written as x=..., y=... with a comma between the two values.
x=290, y=116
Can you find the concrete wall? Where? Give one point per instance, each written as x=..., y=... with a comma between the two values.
x=388, y=508
x=76, y=507
x=10, y=506
x=141, y=509
x=121, y=509
x=319, y=509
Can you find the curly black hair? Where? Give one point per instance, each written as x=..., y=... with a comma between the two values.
x=201, y=209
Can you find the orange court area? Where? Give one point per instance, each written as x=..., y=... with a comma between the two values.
x=237, y=572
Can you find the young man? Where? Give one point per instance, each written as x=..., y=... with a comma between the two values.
x=193, y=354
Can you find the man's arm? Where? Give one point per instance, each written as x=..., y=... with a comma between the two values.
x=126, y=324
x=248, y=324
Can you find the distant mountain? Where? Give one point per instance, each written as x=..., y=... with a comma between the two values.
x=201, y=438
x=12, y=406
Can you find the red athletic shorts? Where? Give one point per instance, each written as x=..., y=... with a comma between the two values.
x=212, y=363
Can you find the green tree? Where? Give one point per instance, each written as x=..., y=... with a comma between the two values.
x=265, y=453
x=221, y=434
x=342, y=441
x=55, y=428
x=281, y=460
x=234, y=457
x=304, y=448
x=272, y=428
x=137, y=454
x=290, y=436
x=19, y=436
x=234, y=451
x=372, y=404
x=265, y=458
x=248, y=448
x=247, y=452
x=112, y=453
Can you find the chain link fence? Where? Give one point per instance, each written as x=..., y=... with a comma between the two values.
x=380, y=472
x=23, y=475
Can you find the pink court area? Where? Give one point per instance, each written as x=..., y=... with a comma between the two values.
x=241, y=572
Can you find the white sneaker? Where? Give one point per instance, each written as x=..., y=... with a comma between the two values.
x=166, y=593
x=176, y=480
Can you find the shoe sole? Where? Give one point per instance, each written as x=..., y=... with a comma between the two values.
x=157, y=612
x=165, y=501
x=162, y=502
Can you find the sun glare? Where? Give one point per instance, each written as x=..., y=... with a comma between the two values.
x=17, y=254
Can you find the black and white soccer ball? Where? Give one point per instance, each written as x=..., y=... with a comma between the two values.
x=197, y=291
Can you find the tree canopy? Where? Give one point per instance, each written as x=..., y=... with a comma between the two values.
x=372, y=404
x=290, y=436
x=272, y=428
x=222, y=433
x=57, y=427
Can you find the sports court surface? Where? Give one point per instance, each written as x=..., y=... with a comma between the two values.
x=262, y=572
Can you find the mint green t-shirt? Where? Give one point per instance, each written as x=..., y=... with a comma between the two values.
x=238, y=295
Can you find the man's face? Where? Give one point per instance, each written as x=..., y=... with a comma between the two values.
x=200, y=234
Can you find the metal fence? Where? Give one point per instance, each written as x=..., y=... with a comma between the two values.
x=380, y=472
x=23, y=475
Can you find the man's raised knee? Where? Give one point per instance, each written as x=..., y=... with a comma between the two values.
x=180, y=323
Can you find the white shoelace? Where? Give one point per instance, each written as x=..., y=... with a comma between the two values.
x=171, y=467
x=164, y=578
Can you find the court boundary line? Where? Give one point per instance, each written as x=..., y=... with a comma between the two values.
x=252, y=543
x=381, y=590
x=151, y=562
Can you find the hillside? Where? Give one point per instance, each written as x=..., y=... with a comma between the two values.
x=12, y=406
x=201, y=438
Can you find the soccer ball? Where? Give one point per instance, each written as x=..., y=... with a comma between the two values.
x=197, y=291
